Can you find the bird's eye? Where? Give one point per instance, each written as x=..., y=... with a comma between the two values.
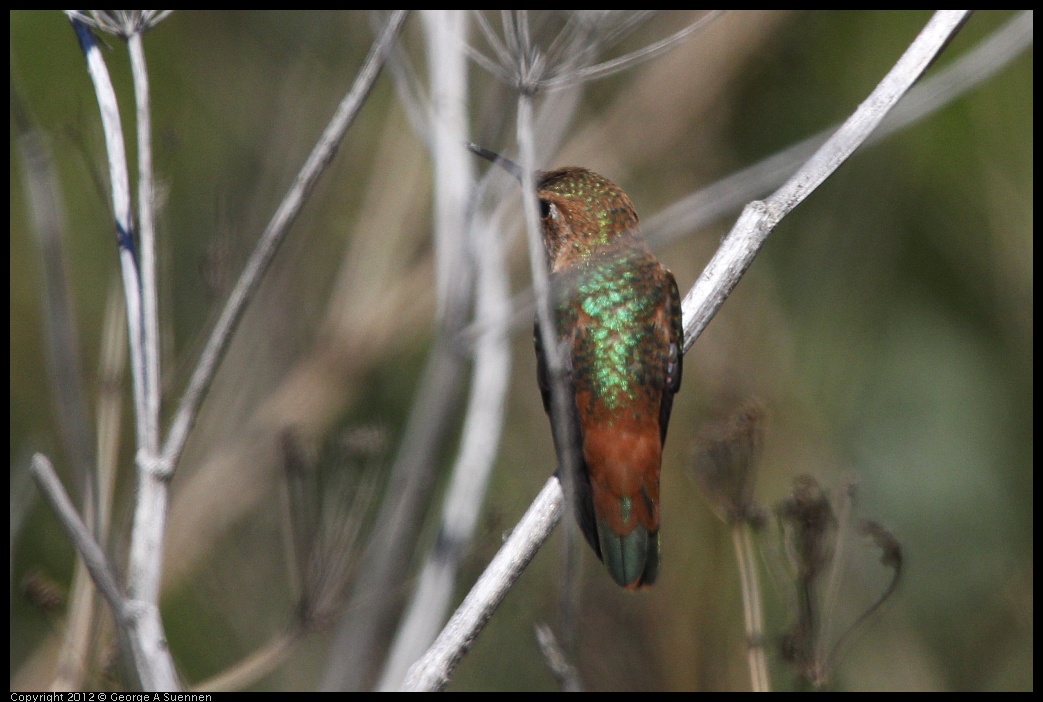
x=544, y=209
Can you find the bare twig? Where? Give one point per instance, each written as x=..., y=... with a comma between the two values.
x=955, y=79
x=145, y=633
x=483, y=422
x=153, y=663
x=561, y=416
x=751, y=606
x=758, y=219
x=273, y=235
x=621, y=63
x=432, y=671
x=119, y=183
x=146, y=541
x=147, y=233
x=557, y=660
x=95, y=559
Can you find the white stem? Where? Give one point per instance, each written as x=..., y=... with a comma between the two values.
x=432, y=671
x=147, y=237
x=758, y=219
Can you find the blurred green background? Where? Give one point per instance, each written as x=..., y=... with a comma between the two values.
x=886, y=326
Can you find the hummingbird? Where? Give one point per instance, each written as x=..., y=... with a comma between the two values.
x=617, y=322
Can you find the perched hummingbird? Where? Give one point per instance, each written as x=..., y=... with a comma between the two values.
x=617, y=318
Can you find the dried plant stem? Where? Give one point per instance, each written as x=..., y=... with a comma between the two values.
x=752, y=611
x=95, y=559
x=955, y=79
x=137, y=632
x=445, y=34
x=562, y=417
x=273, y=236
x=119, y=183
x=147, y=237
x=432, y=671
x=759, y=218
x=143, y=630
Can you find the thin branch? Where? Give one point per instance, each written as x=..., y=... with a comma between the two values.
x=278, y=227
x=119, y=183
x=145, y=563
x=758, y=219
x=144, y=631
x=561, y=416
x=147, y=233
x=432, y=671
x=484, y=418
x=622, y=63
x=974, y=67
x=751, y=606
x=94, y=558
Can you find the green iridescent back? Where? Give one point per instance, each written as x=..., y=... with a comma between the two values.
x=617, y=294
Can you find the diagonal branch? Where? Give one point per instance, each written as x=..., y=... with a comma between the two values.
x=432, y=671
x=94, y=558
x=278, y=227
x=759, y=218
